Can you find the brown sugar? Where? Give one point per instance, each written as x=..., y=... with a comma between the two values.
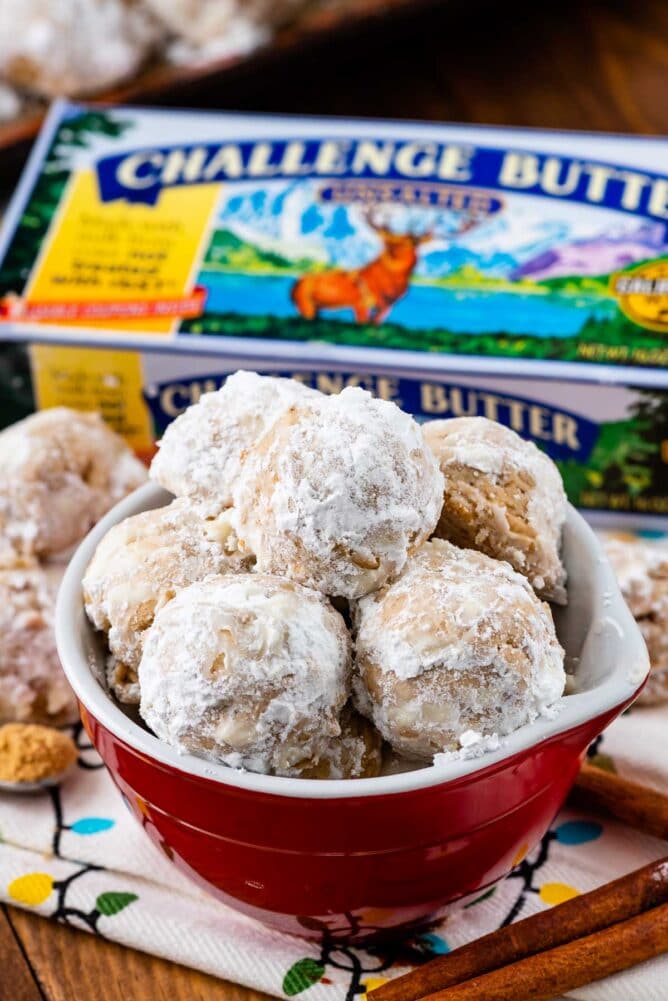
x=30, y=753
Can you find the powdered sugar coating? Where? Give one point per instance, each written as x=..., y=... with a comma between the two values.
x=203, y=450
x=250, y=670
x=33, y=688
x=642, y=573
x=73, y=47
x=213, y=28
x=11, y=103
x=61, y=471
x=503, y=496
x=338, y=492
x=356, y=753
x=138, y=567
x=459, y=642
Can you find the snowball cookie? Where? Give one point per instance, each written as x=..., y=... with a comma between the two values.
x=138, y=567
x=247, y=669
x=73, y=47
x=33, y=688
x=60, y=471
x=338, y=492
x=642, y=574
x=503, y=496
x=357, y=753
x=203, y=450
x=221, y=26
x=458, y=643
x=11, y=103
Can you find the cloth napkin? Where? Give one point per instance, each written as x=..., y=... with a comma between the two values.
x=75, y=855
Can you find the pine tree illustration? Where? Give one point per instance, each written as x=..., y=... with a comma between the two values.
x=72, y=134
x=16, y=390
x=651, y=414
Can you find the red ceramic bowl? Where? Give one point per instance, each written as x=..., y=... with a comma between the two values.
x=365, y=857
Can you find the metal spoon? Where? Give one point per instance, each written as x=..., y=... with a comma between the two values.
x=39, y=786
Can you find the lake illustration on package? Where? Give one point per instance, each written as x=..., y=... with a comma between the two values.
x=420, y=238
x=515, y=274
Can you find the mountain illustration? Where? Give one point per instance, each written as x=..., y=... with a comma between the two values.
x=441, y=262
x=229, y=251
x=595, y=256
x=317, y=237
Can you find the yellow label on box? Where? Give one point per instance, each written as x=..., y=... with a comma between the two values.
x=110, y=382
x=118, y=260
x=643, y=294
x=456, y=271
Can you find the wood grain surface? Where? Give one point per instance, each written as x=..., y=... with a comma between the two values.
x=17, y=981
x=584, y=65
x=572, y=65
x=47, y=962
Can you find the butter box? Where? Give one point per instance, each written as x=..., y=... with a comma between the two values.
x=458, y=270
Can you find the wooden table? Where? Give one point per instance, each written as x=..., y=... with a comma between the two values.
x=41, y=961
x=597, y=65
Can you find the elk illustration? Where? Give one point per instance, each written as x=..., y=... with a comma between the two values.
x=370, y=291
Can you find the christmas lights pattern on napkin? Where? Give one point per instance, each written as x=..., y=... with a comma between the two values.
x=75, y=855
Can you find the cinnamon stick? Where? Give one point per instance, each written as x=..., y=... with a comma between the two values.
x=634, y=804
x=552, y=973
x=583, y=915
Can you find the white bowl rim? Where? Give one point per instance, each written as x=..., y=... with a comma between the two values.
x=576, y=709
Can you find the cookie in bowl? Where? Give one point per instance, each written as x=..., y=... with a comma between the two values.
x=250, y=670
x=354, y=753
x=138, y=567
x=293, y=783
x=502, y=496
x=338, y=493
x=201, y=453
x=459, y=643
x=318, y=851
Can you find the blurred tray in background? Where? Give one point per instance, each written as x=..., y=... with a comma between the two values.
x=162, y=81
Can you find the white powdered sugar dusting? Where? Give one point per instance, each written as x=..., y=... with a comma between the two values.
x=11, y=103
x=337, y=494
x=458, y=643
x=638, y=567
x=215, y=28
x=472, y=744
x=139, y=566
x=642, y=574
x=62, y=470
x=250, y=670
x=502, y=496
x=33, y=688
x=73, y=47
x=217, y=609
x=357, y=752
x=202, y=451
